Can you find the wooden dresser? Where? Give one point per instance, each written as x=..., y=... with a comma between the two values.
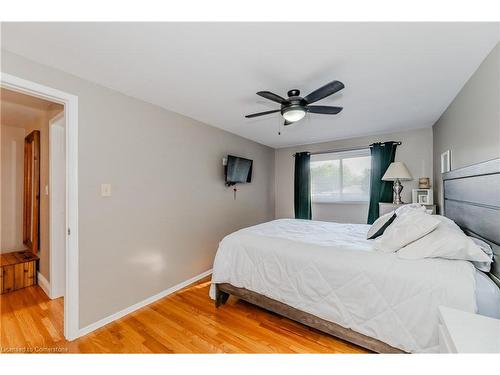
x=17, y=270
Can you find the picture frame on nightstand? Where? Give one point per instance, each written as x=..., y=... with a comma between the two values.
x=423, y=196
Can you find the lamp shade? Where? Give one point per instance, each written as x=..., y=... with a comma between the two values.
x=397, y=171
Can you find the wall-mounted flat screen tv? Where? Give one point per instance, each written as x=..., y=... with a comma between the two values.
x=238, y=170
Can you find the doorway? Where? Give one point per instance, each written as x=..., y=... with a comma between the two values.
x=27, y=256
x=65, y=179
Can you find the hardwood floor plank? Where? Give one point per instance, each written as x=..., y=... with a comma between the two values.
x=185, y=322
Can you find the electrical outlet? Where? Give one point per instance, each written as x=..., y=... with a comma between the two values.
x=106, y=190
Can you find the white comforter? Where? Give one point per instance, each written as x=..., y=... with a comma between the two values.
x=331, y=271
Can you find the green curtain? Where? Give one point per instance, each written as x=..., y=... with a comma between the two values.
x=302, y=186
x=382, y=155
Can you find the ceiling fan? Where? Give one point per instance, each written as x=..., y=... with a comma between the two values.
x=295, y=107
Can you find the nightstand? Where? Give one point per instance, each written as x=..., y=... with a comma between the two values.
x=385, y=208
x=463, y=332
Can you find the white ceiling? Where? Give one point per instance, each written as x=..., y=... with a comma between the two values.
x=397, y=75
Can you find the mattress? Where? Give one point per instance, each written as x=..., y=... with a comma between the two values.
x=487, y=296
x=331, y=271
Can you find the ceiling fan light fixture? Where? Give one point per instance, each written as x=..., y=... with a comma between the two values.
x=293, y=114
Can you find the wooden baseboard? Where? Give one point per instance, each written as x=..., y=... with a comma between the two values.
x=92, y=327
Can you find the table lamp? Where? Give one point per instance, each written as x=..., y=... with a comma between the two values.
x=397, y=172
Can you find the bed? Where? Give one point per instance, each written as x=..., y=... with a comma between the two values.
x=328, y=276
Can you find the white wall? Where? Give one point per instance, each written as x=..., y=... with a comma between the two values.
x=415, y=152
x=12, y=167
x=169, y=207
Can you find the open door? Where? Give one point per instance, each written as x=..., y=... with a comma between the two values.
x=57, y=184
x=31, y=199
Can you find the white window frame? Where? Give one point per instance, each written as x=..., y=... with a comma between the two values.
x=340, y=155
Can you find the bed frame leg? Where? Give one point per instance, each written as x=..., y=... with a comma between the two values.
x=221, y=298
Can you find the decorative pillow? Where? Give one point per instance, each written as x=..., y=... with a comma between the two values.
x=444, y=242
x=406, y=228
x=380, y=225
x=483, y=266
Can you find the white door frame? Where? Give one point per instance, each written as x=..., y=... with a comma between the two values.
x=56, y=204
x=70, y=102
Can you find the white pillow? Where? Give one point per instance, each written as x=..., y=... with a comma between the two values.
x=408, y=207
x=484, y=246
x=444, y=242
x=448, y=222
x=380, y=225
x=483, y=266
x=409, y=226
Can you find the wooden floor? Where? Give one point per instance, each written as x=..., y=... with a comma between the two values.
x=185, y=322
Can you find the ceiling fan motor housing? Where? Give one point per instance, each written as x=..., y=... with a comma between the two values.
x=293, y=109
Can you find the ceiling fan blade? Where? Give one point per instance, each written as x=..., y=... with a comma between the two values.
x=323, y=109
x=271, y=96
x=262, y=113
x=323, y=92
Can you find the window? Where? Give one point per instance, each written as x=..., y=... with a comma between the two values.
x=341, y=176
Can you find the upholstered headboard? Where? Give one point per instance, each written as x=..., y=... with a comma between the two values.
x=472, y=200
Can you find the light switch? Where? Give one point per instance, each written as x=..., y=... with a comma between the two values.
x=106, y=190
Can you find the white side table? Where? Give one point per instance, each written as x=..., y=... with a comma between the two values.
x=463, y=332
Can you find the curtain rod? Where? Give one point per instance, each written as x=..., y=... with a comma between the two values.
x=347, y=149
